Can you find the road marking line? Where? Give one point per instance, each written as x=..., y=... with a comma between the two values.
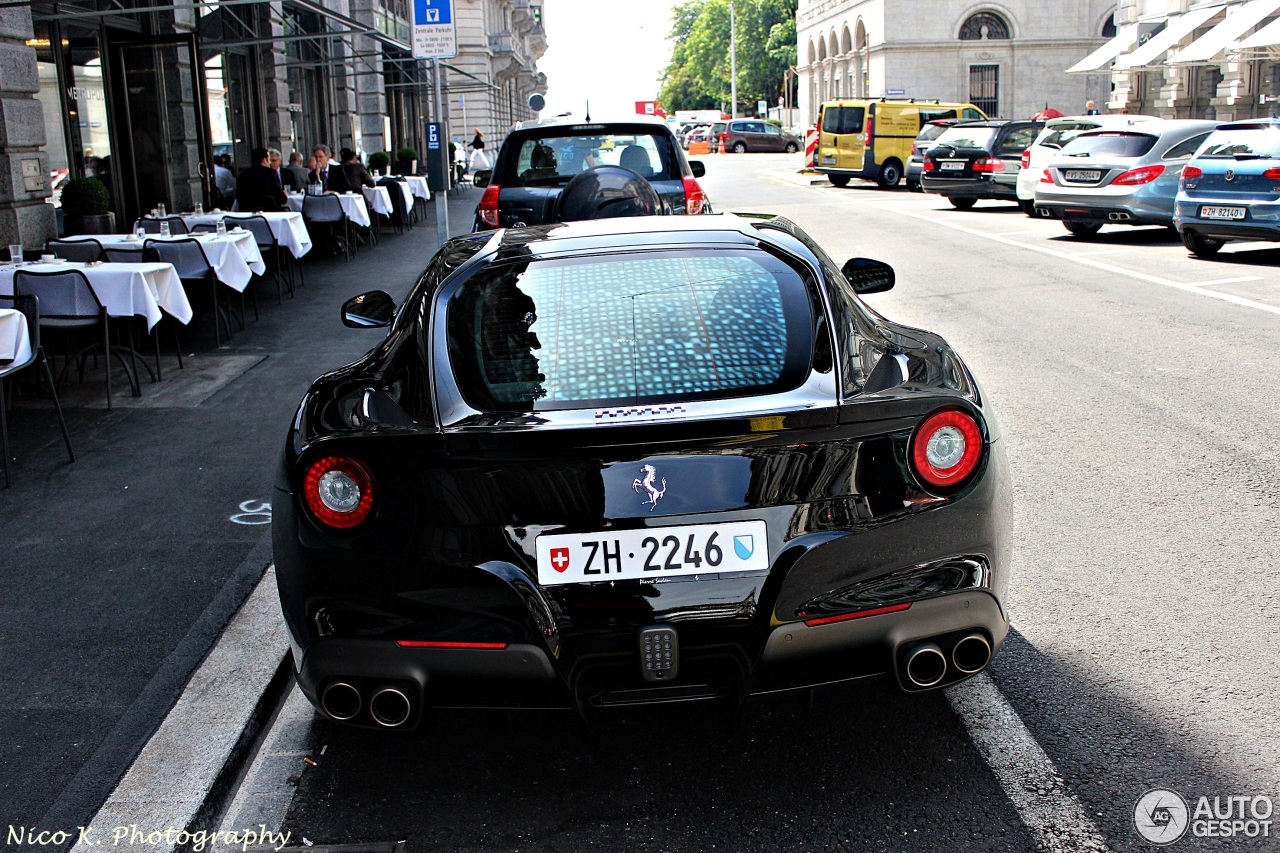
x=1225, y=281
x=168, y=783
x=1055, y=817
x=1103, y=252
x=1071, y=256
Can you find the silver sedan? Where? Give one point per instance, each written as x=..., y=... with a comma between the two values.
x=1123, y=176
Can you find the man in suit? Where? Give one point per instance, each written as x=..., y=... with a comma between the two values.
x=299, y=171
x=351, y=174
x=258, y=187
x=322, y=174
x=286, y=177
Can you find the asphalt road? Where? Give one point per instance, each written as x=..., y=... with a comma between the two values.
x=1139, y=408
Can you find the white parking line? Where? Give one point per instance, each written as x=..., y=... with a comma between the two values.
x=1052, y=813
x=1225, y=281
x=1073, y=256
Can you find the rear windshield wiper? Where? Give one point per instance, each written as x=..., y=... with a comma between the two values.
x=1248, y=156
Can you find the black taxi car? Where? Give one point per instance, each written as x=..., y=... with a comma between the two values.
x=626, y=461
x=539, y=159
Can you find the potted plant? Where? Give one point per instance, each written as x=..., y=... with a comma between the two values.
x=380, y=161
x=407, y=161
x=84, y=207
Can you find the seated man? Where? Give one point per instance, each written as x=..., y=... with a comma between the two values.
x=259, y=187
x=351, y=175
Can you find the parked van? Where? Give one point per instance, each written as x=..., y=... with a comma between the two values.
x=872, y=138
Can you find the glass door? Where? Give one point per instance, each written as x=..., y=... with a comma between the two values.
x=167, y=125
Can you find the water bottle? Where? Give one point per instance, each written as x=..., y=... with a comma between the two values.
x=160, y=209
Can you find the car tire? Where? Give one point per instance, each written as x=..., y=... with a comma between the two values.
x=1028, y=206
x=962, y=203
x=792, y=148
x=1083, y=230
x=739, y=148
x=1201, y=247
x=890, y=174
x=838, y=180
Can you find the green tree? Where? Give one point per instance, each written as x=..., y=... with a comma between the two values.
x=698, y=75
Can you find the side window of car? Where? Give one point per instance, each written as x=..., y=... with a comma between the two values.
x=1186, y=148
x=771, y=130
x=1017, y=141
x=972, y=113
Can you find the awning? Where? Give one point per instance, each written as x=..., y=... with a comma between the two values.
x=1268, y=36
x=1100, y=58
x=1239, y=20
x=1177, y=29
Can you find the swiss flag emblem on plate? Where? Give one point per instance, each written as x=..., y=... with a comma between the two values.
x=559, y=559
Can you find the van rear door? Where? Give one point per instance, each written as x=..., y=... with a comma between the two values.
x=840, y=137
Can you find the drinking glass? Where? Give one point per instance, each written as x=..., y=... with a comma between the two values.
x=160, y=209
x=222, y=226
x=164, y=229
x=141, y=233
x=15, y=253
x=199, y=208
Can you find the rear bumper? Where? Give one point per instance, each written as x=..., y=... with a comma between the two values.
x=1100, y=213
x=967, y=188
x=526, y=675
x=1263, y=222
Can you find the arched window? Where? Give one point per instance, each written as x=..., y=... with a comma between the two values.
x=984, y=25
x=1109, y=28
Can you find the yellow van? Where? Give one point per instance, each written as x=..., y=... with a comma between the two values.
x=872, y=138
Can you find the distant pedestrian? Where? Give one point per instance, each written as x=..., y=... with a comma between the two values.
x=1090, y=109
x=477, y=142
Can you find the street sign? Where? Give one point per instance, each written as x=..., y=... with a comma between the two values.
x=437, y=158
x=434, y=36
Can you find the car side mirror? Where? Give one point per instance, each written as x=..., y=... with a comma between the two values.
x=371, y=310
x=697, y=168
x=868, y=276
x=482, y=177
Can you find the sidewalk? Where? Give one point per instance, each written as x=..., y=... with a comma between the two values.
x=121, y=570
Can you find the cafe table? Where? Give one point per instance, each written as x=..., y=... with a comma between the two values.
x=418, y=186
x=287, y=226
x=15, y=340
x=234, y=256
x=125, y=290
x=352, y=205
x=379, y=199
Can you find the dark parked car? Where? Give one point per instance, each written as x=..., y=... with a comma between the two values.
x=539, y=158
x=1231, y=188
x=742, y=135
x=924, y=141
x=638, y=460
x=973, y=160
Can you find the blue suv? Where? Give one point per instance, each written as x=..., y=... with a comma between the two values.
x=1230, y=190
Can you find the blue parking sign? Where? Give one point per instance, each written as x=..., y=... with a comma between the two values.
x=432, y=12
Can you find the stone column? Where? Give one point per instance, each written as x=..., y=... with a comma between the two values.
x=25, y=217
x=273, y=76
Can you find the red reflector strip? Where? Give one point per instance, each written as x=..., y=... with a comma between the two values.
x=845, y=617
x=441, y=644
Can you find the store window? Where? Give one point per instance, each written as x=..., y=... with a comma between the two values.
x=50, y=98
x=306, y=60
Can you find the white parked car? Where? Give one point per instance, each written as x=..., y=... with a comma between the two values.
x=1057, y=133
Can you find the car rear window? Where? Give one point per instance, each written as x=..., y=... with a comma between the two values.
x=968, y=137
x=655, y=327
x=1110, y=144
x=1060, y=134
x=554, y=160
x=1243, y=143
x=843, y=120
x=930, y=131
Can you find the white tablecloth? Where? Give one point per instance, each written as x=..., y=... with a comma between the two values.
x=289, y=229
x=418, y=186
x=378, y=198
x=234, y=256
x=352, y=205
x=15, y=342
x=125, y=289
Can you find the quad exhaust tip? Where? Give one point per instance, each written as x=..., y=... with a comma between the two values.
x=390, y=707
x=340, y=700
x=971, y=654
x=926, y=665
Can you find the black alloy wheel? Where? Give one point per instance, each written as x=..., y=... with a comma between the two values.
x=1083, y=230
x=1201, y=247
x=962, y=203
x=838, y=180
x=890, y=174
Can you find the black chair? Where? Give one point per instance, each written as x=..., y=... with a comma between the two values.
x=152, y=226
x=29, y=305
x=87, y=250
x=192, y=265
x=269, y=247
x=400, y=216
x=126, y=255
x=68, y=303
x=204, y=228
x=324, y=215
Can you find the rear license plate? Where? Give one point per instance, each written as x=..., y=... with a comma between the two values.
x=1082, y=175
x=652, y=552
x=1208, y=212
x=952, y=166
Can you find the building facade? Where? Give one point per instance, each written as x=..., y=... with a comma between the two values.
x=1187, y=59
x=1007, y=57
x=146, y=94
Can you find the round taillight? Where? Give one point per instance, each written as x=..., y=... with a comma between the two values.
x=946, y=447
x=338, y=491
